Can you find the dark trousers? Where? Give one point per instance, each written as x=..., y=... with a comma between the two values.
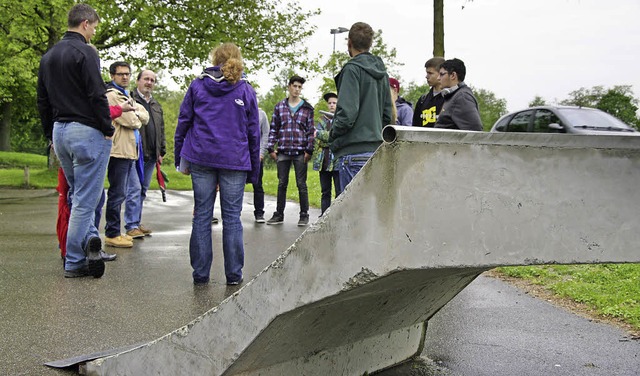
x=300, y=168
x=258, y=194
x=117, y=173
x=325, y=187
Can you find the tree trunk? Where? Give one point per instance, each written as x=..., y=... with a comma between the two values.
x=5, y=127
x=438, y=28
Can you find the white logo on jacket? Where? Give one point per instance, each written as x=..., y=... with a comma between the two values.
x=239, y=102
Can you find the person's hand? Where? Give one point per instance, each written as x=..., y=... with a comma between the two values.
x=160, y=159
x=307, y=157
x=126, y=107
x=261, y=158
x=273, y=156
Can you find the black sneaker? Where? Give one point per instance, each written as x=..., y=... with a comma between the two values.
x=277, y=219
x=96, y=264
x=260, y=219
x=304, y=220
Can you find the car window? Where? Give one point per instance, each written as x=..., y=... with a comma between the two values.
x=520, y=122
x=542, y=120
x=501, y=125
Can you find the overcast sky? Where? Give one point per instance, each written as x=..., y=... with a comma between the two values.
x=516, y=49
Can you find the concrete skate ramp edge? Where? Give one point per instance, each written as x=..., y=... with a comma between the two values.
x=429, y=212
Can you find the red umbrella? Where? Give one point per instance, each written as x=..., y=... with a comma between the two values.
x=162, y=178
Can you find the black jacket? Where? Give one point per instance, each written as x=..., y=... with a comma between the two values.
x=70, y=88
x=153, y=141
x=427, y=109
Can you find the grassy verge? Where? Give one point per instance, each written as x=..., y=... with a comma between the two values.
x=610, y=290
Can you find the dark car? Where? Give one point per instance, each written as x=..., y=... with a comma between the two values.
x=563, y=119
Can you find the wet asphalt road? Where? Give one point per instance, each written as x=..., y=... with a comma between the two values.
x=491, y=328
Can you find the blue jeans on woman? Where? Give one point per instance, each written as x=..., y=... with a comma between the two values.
x=83, y=152
x=205, y=179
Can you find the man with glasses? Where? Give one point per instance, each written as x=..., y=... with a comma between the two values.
x=75, y=114
x=460, y=108
x=124, y=152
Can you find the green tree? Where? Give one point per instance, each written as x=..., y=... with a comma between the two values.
x=163, y=34
x=491, y=107
x=617, y=101
x=412, y=92
x=537, y=101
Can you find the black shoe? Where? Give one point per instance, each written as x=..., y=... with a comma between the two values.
x=235, y=283
x=260, y=219
x=277, y=219
x=215, y=221
x=82, y=272
x=304, y=220
x=107, y=256
x=96, y=264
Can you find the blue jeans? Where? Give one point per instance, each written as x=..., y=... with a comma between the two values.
x=118, y=174
x=300, y=169
x=231, y=184
x=349, y=165
x=133, y=200
x=83, y=153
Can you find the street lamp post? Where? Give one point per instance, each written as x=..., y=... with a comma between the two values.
x=339, y=30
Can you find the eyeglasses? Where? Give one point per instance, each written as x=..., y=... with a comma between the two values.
x=123, y=74
x=443, y=73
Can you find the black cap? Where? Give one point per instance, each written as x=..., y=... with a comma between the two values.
x=327, y=96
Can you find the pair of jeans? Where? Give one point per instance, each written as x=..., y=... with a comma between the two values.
x=83, y=152
x=325, y=188
x=133, y=200
x=300, y=168
x=231, y=183
x=349, y=165
x=118, y=175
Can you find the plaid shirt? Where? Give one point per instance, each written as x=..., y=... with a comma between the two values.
x=292, y=132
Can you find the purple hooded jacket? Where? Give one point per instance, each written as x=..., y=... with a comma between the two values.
x=219, y=125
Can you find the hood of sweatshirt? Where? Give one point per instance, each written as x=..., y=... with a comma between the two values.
x=214, y=82
x=371, y=64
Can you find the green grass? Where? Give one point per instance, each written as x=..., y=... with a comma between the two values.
x=611, y=290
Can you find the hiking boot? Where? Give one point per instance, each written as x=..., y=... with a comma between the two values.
x=125, y=236
x=119, y=242
x=304, y=220
x=94, y=258
x=135, y=233
x=277, y=219
x=146, y=231
x=82, y=272
x=260, y=218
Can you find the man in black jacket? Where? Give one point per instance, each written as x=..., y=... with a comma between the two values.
x=154, y=143
x=75, y=113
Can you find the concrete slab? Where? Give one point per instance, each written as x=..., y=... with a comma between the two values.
x=371, y=271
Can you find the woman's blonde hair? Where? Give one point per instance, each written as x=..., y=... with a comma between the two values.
x=228, y=57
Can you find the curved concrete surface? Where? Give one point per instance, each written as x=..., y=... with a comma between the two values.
x=429, y=213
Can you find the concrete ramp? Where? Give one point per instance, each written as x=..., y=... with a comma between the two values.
x=430, y=211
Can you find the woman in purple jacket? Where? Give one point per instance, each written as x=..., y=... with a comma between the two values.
x=217, y=141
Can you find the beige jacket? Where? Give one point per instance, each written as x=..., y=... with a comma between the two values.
x=124, y=138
